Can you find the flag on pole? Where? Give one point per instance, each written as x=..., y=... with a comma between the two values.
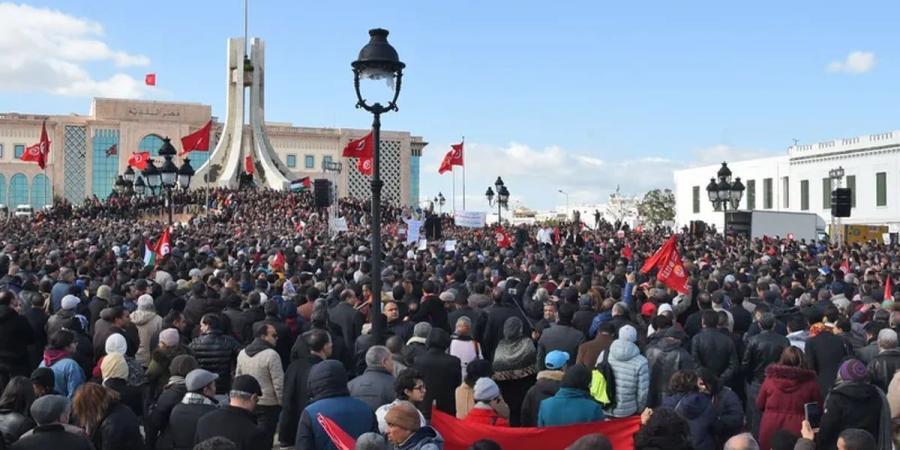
x=364, y=166
x=164, y=245
x=279, y=261
x=112, y=150
x=339, y=438
x=149, y=254
x=360, y=148
x=150, y=79
x=301, y=184
x=38, y=152
x=138, y=160
x=845, y=266
x=888, y=288
x=502, y=237
x=248, y=164
x=197, y=141
x=454, y=157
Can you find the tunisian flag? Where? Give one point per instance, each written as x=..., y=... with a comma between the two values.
x=138, y=160
x=248, y=164
x=503, y=239
x=150, y=79
x=198, y=140
x=364, y=166
x=38, y=152
x=164, y=245
x=453, y=158
x=360, y=148
x=660, y=254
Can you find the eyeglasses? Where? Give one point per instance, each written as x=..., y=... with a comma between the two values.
x=420, y=387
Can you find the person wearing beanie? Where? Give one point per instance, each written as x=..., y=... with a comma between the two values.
x=156, y=425
x=330, y=397
x=197, y=401
x=99, y=302
x=114, y=371
x=68, y=311
x=546, y=386
x=489, y=406
x=51, y=413
x=148, y=323
x=371, y=441
x=442, y=372
x=405, y=431
x=572, y=403
x=854, y=403
x=632, y=374
x=168, y=348
x=886, y=363
x=415, y=346
x=560, y=336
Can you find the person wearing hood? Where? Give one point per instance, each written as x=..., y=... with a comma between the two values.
x=98, y=303
x=632, y=374
x=15, y=336
x=415, y=346
x=330, y=398
x=260, y=360
x=115, y=376
x=116, y=343
x=514, y=368
x=315, y=347
x=67, y=374
x=490, y=327
x=489, y=408
x=666, y=356
x=694, y=406
x=148, y=323
x=196, y=402
x=405, y=431
x=156, y=425
x=854, y=403
x=546, y=386
x=788, y=386
x=463, y=346
x=67, y=311
x=572, y=403
x=442, y=372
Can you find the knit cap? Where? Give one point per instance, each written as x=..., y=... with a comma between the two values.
x=852, y=370
x=169, y=336
x=404, y=415
x=486, y=390
x=145, y=302
x=116, y=343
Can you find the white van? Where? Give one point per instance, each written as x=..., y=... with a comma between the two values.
x=24, y=211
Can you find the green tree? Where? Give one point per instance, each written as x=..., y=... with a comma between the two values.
x=657, y=206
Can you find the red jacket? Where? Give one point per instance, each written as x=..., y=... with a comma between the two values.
x=486, y=416
x=781, y=399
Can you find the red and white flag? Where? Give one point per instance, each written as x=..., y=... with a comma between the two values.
x=248, y=164
x=502, y=237
x=164, y=245
x=360, y=148
x=364, y=166
x=38, y=152
x=139, y=160
x=660, y=255
x=453, y=158
x=278, y=262
x=197, y=141
x=150, y=79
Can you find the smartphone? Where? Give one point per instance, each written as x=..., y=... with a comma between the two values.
x=813, y=414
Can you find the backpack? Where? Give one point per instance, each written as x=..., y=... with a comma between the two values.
x=603, y=382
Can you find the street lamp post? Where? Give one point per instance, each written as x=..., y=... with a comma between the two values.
x=837, y=232
x=725, y=192
x=165, y=178
x=567, y=202
x=377, y=60
x=440, y=200
x=502, y=197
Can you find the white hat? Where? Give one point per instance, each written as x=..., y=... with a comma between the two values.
x=70, y=302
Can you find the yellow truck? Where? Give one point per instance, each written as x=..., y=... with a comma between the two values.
x=858, y=234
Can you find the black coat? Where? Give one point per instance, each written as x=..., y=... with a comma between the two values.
x=583, y=319
x=849, y=405
x=545, y=387
x=119, y=430
x=825, y=353
x=96, y=305
x=183, y=424
x=15, y=337
x=763, y=349
x=665, y=357
x=129, y=395
x=238, y=326
x=156, y=423
x=296, y=397
x=882, y=368
x=52, y=437
x=431, y=310
x=235, y=424
x=349, y=321
x=217, y=353
x=715, y=351
x=13, y=424
x=37, y=318
x=443, y=373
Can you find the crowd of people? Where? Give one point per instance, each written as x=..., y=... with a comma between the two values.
x=256, y=331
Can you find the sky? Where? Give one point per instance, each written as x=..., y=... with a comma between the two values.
x=579, y=96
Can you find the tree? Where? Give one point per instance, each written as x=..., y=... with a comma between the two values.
x=658, y=206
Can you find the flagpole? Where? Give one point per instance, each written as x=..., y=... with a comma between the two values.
x=453, y=172
x=464, y=171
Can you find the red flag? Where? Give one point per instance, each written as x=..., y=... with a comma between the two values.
x=626, y=252
x=164, y=245
x=248, y=164
x=150, y=79
x=660, y=256
x=456, y=154
x=38, y=152
x=112, y=150
x=364, y=166
x=671, y=272
x=198, y=140
x=460, y=435
x=360, y=148
x=503, y=239
x=446, y=166
x=339, y=438
x=278, y=262
x=888, y=288
x=845, y=266
x=138, y=160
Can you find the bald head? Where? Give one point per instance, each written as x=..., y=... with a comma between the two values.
x=743, y=441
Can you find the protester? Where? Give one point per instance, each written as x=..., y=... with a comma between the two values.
x=442, y=372
x=156, y=425
x=406, y=432
x=546, y=386
x=375, y=386
x=854, y=403
x=67, y=374
x=236, y=421
x=215, y=351
x=408, y=387
x=260, y=360
x=109, y=423
x=316, y=347
x=885, y=364
x=489, y=408
x=169, y=348
x=697, y=408
x=148, y=323
x=462, y=345
x=329, y=397
x=15, y=336
x=198, y=400
x=514, y=368
x=15, y=403
x=51, y=413
x=572, y=403
x=632, y=374
x=665, y=356
x=788, y=386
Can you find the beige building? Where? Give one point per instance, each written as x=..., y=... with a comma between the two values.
x=88, y=152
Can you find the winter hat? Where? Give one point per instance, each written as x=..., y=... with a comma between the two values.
x=114, y=366
x=422, y=329
x=664, y=308
x=145, y=302
x=116, y=343
x=182, y=365
x=647, y=309
x=404, y=415
x=48, y=409
x=628, y=333
x=486, y=390
x=852, y=370
x=198, y=379
x=104, y=292
x=556, y=359
x=169, y=336
x=70, y=302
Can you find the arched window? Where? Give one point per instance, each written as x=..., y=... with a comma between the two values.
x=3, y=189
x=40, y=191
x=18, y=190
x=150, y=143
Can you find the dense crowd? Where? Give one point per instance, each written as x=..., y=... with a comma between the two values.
x=256, y=329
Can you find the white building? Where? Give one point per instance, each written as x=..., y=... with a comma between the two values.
x=799, y=181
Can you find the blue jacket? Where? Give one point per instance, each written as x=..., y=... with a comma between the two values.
x=67, y=376
x=328, y=388
x=599, y=319
x=700, y=414
x=569, y=406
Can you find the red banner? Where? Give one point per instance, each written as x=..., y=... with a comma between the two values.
x=459, y=435
x=671, y=272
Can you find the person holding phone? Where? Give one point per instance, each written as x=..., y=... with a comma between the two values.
x=788, y=387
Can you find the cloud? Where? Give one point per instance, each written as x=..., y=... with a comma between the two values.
x=719, y=153
x=856, y=63
x=46, y=50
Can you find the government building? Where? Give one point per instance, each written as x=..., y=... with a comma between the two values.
x=88, y=152
x=800, y=181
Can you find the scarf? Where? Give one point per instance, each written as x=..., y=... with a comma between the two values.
x=51, y=356
x=196, y=398
x=514, y=359
x=175, y=379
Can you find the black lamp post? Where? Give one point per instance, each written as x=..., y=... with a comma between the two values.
x=502, y=197
x=725, y=192
x=440, y=201
x=165, y=178
x=377, y=60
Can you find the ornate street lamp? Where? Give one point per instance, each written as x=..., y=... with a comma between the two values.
x=185, y=173
x=725, y=193
x=377, y=61
x=502, y=197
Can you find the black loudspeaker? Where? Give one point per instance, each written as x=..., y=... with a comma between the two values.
x=698, y=228
x=322, y=192
x=841, y=202
x=433, y=231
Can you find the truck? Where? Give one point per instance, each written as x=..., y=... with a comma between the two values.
x=860, y=234
x=757, y=224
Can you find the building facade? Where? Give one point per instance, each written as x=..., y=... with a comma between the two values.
x=88, y=152
x=799, y=181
